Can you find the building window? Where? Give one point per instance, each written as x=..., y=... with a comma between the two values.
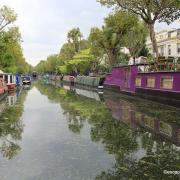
x=169, y=50
x=162, y=50
x=151, y=82
x=178, y=48
x=138, y=81
x=169, y=34
x=161, y=36
x=178, y=33
x=167, y=82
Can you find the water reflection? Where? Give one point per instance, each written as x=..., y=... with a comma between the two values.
x=144, y=137
x=71, y=134
x=129, y=114
x=11, y=126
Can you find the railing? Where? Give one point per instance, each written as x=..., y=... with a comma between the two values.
x=169, y=64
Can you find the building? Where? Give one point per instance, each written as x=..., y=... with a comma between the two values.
x=168, y=42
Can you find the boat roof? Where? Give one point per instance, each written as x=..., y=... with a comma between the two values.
x=6, y=74
x=139, y=64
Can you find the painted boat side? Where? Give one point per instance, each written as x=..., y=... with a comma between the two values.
x=123, y=80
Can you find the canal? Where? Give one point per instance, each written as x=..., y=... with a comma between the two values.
x=50, y=132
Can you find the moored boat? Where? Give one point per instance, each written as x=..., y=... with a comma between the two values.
x=143, y=80
x=69, y=79
x=91, y=81
x=3, y=88
x=10, y=80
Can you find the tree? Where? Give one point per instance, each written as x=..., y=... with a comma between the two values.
x=81, y=63
x=110, y=39
x=67, y=51
x=135, y=39
x=74, y=37
x=7, y=16
x=150, y=11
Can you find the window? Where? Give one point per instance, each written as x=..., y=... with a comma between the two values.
x=167, y=82
x=11, y=80
x=169, y=50
x=150, y=82
x=162, y=50
x=138, y=81
x=169, y=34
x=178, y=48
x=6, y=78
x=178, y=33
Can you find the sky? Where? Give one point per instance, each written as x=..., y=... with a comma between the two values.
x=44, y=23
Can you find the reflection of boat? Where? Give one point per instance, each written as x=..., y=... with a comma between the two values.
x=83, y=92
x=2, y=106
x=127, y=113
x=26, y=87
x=89, y=94
x=11, y=99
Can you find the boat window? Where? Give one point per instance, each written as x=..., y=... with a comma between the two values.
x=138, y=81
x=165, y=128
x=150, y=82
x=167, y=82
x=6, y=78
x=11, y=79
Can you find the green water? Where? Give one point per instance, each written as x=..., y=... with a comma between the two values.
x=58, y=133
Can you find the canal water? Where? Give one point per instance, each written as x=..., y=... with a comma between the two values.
x=50, y=132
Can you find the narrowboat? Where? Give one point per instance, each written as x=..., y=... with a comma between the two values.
x=26, y=80
x=9, y=79
x=69, y=79
x=149, y=80
x=91, y=81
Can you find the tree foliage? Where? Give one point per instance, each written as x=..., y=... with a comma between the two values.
x=111, y=38
x=11, y=54
x=80, y=63
x=7, y=17
x=150, y=12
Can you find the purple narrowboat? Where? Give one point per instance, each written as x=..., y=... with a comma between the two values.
x=161, y=86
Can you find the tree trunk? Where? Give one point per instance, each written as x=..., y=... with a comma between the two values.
x=153, y=40
x=112, y=58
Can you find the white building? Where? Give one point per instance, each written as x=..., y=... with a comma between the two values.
x=168, y=42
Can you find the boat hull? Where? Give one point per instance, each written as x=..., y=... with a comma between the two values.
x=11, y=86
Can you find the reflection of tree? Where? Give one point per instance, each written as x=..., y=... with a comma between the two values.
x=117, y=137
x=159, y=155
x=11, y=128
x=76, y=108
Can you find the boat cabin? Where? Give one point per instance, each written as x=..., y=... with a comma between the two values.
x=158, y=81
x=9, y=79
x=3, y=86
